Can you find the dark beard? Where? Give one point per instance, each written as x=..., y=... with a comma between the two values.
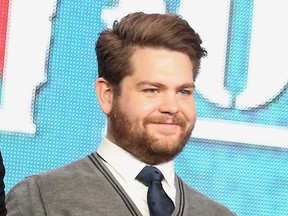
x=140, y=144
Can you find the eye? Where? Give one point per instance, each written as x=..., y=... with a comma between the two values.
x=185, y=92
x=151, y=90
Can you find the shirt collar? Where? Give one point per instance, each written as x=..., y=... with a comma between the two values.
x=128, y=166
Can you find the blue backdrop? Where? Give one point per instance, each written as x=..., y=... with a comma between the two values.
x=250, y=178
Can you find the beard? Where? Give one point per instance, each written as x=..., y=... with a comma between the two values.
x=127, y=134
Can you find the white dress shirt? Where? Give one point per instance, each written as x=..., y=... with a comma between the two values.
x=125, y=167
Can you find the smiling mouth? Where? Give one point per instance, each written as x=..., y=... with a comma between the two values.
x=166, y=128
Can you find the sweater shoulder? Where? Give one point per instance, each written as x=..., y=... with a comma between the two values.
x=203, y=204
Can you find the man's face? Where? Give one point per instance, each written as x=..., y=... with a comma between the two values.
x=155, y=113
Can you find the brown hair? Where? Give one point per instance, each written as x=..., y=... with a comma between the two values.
x=115, y=46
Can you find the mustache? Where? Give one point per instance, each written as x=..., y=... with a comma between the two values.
x=165, y=119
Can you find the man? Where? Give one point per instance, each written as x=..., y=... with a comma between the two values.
x=147, y=65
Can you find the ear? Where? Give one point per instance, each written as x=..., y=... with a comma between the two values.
x=104, y=93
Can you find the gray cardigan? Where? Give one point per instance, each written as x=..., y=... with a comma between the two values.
x=87, y=188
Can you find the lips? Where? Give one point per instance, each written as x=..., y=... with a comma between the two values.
x=166, y=123
x=165, y=128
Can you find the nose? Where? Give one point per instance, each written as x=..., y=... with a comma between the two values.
x=169, y=104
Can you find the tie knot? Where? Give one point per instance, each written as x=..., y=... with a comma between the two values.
x=149, y=174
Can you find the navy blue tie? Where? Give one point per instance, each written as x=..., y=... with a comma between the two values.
x=159, y=202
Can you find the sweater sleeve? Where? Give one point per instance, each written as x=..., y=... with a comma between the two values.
x=25, y=199
x=2, y=188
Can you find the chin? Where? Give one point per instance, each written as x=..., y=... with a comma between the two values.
x=166, y=147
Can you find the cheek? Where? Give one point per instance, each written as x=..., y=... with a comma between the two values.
x=189, y=111
x=137, y=109
x=149, y=106
x=139, y=106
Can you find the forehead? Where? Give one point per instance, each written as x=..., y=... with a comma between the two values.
x=161, y=65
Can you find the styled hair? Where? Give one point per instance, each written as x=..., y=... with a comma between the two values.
x=115, y=46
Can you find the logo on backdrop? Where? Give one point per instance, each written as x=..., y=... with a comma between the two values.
x=3, y=29
x=25, y=37
x=261, y=67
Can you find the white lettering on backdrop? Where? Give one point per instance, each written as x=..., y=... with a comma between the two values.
x=27, y=47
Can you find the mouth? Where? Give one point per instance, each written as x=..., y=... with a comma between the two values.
x=164, y=122
x=165, y=128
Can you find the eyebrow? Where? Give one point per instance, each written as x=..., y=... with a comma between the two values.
x=161, y=85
